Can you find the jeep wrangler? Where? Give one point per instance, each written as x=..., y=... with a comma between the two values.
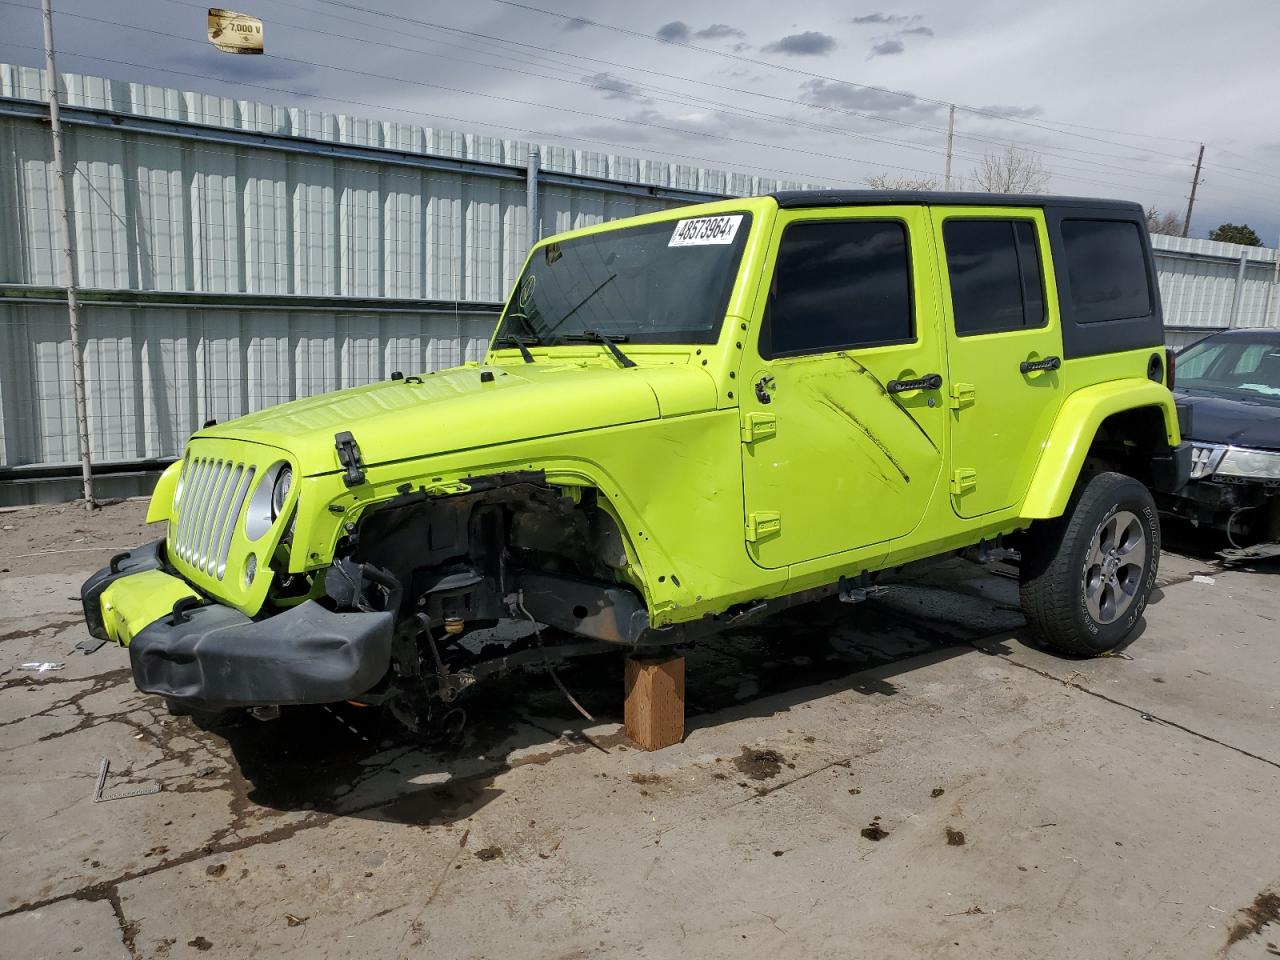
x=684, y=421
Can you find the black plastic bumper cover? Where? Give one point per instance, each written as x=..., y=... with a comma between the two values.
x=148, y=557
x=219, y=658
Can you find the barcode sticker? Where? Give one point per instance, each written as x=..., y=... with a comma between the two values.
x=705, y=230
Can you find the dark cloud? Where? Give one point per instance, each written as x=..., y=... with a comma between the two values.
x=887, y=48
x=917, y=31
x=575, y=23
x=615, y=88
x=676, y=30
x=1005, y=110
x=719, y=31
x=807, y=44
x=885, y=18
x=846, y=96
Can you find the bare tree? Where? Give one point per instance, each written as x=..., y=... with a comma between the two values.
x=1013, y=171
x=885, y=181
x=1166, y=223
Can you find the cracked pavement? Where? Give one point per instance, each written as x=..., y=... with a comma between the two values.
x=1024, y=804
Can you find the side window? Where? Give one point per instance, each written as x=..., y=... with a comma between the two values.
x=1196, y=363
x=839, y=284
x=1106, y=270
x=997, y=284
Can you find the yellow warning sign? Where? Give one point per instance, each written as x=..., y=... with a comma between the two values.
x=233, y=32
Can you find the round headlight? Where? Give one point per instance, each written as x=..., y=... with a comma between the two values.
x=280, y=491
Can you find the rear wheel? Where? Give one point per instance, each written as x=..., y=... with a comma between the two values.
x=1087, y=575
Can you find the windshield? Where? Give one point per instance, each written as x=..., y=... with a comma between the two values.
x=1231, y=367
x=658, y=283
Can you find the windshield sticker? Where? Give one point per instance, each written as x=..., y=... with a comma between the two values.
x=526, y=290
x=705, y=230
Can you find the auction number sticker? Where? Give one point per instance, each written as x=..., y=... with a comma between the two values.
x=701, y=231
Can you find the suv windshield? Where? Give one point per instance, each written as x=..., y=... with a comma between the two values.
x=1231, y=367
x=658, y=283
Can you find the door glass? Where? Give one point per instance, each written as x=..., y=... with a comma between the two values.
x=996, y=280
x=837, y=285
x=1106, y=269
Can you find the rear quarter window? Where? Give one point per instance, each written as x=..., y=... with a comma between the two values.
x=1106, y=270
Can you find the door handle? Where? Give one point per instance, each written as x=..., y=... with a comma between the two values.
x=1048, y=363
x=930, y=381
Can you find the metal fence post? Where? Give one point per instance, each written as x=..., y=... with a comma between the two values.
x=531, y=199
x=1237, y=294
x=62, y=201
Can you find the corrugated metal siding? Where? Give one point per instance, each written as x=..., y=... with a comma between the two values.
x=1198, y=283
x=197, y=217
x=156, y=374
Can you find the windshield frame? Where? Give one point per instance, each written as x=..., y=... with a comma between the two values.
x=512, y=322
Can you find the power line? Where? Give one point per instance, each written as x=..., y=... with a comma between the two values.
x=715, y=106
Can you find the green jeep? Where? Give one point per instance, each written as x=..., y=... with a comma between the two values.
x=685, y=421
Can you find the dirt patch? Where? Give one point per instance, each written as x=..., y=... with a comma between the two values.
x=200, y=943
x=873, y=830
x=760, y=764
x=955, y=838
x=646, y=778
x=1265, y=909
x=936, y=792
x=489, y=853
x=66, y=538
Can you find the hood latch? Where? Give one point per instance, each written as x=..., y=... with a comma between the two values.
x=349, y=457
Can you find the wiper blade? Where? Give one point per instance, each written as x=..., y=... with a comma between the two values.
x=521, y=344
x=595, y=336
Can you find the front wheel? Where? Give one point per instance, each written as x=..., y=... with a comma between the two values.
x=1087, y=575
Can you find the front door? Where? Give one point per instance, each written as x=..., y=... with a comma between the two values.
x=843, y=411
x=1004, y=350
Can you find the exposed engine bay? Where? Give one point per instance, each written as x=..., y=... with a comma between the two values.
x=474, y=578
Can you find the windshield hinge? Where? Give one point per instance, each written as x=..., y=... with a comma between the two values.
x=963, y=479
x=349, y=457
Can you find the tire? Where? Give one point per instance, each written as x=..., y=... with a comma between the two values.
x=1087, y=575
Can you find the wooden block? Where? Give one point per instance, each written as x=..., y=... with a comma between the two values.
x=654, y=713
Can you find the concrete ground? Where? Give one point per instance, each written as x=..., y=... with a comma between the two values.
x=906, y=778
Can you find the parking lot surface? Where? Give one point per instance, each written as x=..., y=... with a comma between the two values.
x=902, y=778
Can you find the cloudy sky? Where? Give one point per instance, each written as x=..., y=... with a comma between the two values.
x=1113, y=97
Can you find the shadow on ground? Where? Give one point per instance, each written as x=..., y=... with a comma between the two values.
x=349, y=761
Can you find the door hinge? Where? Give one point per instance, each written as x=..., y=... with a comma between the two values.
x=763, y=523
x=349, y=457
x=963, y=480
x=962, y=395
x=757, y=426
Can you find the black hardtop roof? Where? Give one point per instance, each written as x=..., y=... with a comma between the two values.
x=793, y=199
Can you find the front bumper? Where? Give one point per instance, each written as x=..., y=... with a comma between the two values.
x=213, y=657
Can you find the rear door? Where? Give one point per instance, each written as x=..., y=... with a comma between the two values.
x=841, y=401
x=1004, y=351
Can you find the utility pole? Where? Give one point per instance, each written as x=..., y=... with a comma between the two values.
x=1191, y=200
x=1271, y=290
x=62, y=201
x=951, y=138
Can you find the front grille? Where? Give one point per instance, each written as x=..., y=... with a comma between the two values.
x=212, y=496
x=1205, y=458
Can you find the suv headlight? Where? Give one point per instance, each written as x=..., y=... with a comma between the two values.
x=1253, y=464
x=280, y=491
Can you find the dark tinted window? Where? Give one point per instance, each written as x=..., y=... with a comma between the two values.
x=839, y=284
x=1106, y=270
x=996, y=282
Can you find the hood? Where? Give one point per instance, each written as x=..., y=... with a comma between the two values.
x=470, y=407
x=1240, y=423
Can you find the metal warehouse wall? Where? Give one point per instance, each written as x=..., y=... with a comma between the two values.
x=235, y=254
